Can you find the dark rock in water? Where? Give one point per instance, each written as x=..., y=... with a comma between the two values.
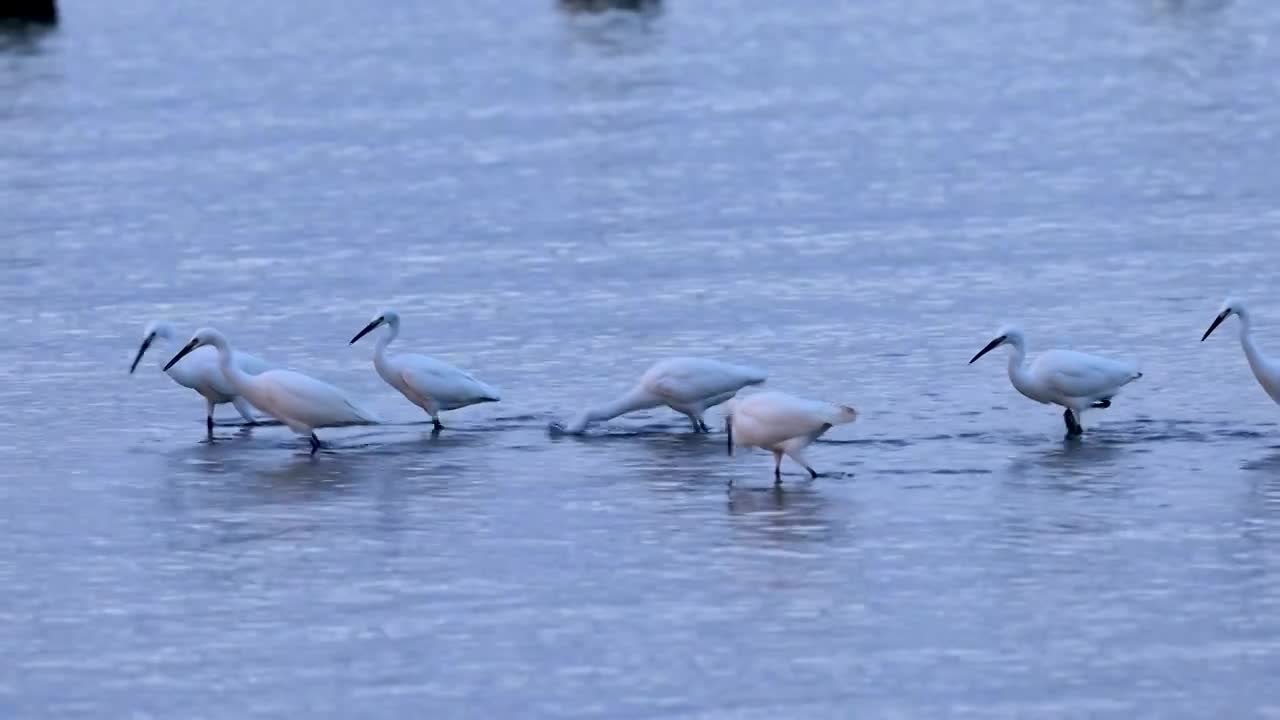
x=33, y=11
x=598, y=6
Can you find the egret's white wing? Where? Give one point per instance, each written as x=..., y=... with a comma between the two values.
x=442, y=382
x=294, y=396
x=779, y=416
x=689, y=380
x=1079, y=375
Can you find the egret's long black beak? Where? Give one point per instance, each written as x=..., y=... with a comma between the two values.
x=182, y=353
x=141, y=351
x=728, y=430
x=1216, y=322
x=367, y=329
x=990, y=346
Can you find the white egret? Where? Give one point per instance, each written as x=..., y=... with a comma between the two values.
x=299, y=401
x=782, y=424
x=199, y=371
x=430, y=384
x=1267, y=372
x=1074, y=380
x=687, y=385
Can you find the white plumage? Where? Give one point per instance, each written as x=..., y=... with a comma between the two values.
x=687, y=385
x=299, y=401
x=199, y=371
x=1264, y=369
x=431, y=384
x=782, y=424
x=1074, y=380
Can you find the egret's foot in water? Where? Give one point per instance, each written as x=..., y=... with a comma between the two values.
x=315, y=443
x=1073, y=426
x=702, y=427
x=813, y=474
x=208, y=427
x=1102, y=404
x=435, y=425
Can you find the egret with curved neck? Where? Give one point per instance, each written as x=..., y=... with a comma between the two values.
x=1264, y=369
x=1074, y=380
x=200, y=372
x=299, y=401
x=431, y=384
x=687, y=385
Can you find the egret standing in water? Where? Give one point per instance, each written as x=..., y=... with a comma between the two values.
x=430, y=384
x=299, y=401
x=782, y=424
x=199, y=371
x=1267, y=372
x=1074, y=380
x=687, y=385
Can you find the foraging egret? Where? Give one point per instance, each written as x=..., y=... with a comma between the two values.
x=686, y=385
x=299, y=401
x=782, y=424
x=1267, y=372
x=199, y=371
x=428, y=383
x=1074, y=380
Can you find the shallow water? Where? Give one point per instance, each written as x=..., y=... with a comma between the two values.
x=851, y=196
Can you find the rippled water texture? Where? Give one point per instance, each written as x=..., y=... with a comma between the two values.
x=853, y=195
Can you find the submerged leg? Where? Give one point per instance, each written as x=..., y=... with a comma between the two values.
x=777, y=467
x=315, y=443
x=1073, y=425
x=702, y=425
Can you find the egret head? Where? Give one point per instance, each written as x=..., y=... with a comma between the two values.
x=1007, y=335
x=156, y=330
x=203, y=336
x=1230, y=306
x=388, y=317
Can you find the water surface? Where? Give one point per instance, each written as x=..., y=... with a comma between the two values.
x=847, y=194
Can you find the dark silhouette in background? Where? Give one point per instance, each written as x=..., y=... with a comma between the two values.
x=29, y=11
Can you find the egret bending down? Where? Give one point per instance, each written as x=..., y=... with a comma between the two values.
x=1267, y=372
x=687, y=385
x=199, y=371
x=1074, y=380
x=430, y=384
x=299, y=401
x=782, y=424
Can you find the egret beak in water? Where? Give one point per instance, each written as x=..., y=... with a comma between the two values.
x=728, y=429
x=990, y=346
x=142, y=351
x=1216, y=322
x=182, y=353
x=367, y=329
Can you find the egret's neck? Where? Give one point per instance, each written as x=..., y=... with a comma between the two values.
x=1018, y=365
x=237, y=377
x=160, y=348
x=1260, y=365
x=636, y=399
x=380, y=349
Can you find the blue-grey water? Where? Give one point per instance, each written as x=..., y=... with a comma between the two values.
x=853, y=195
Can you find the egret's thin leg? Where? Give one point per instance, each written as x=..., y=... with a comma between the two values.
x=315, y=443
x=1073, y=425
x=702, y=425
x=777, y=467
x=208, y=418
